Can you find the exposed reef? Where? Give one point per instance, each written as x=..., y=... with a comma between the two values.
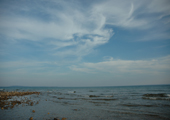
x=7, y=101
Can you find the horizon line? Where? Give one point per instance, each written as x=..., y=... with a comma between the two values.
x=85, y=86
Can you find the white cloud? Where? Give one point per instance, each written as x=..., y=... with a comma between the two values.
x=75, y=68
x=22, y=64
x=64, y=24
x=126, y=66
x=126, y=13
x=68, y=26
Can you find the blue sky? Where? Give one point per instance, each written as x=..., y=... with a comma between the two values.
x=84, y=43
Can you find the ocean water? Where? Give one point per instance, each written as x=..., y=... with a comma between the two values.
x=93, y=103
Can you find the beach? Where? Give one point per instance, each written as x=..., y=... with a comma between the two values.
x=93, y=103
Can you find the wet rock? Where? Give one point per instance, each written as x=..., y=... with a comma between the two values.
x=4, y=96
x=31, y=118
x=31, y=103
x=60, y=98
x=33, y=111
x=105, y=99
x=155, y=95
x=56, y=119
x=11, y=107
x=63, y=118
x=93, y=96
x=15, y=93
x=6, y=107
x=13, y=103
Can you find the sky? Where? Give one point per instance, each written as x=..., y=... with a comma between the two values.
x=84, y=42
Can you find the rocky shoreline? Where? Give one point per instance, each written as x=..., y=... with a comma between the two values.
x=6, y=100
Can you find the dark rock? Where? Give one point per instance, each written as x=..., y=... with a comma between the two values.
x=56, y=119
x=155, y=95
x=4, y=96
x=93, y=96
x=60, y=98
x=105, y=99
x=63, y=118
x=31, y=103
x=31, y=118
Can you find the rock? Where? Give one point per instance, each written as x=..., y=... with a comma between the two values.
x=31, y=103
x=48, y=113
x=93, y=96
x=31, y=118
x=2, y=108
x=4, y=96
x=60, y=98
x=63, y=118
x=33, y=111
x=56, y=119
x=155, y=95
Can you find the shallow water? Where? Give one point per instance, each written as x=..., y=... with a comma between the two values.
x=93, y=103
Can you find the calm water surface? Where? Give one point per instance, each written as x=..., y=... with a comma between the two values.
x=93, y=103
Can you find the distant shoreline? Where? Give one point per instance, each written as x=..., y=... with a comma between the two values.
x=81, y=86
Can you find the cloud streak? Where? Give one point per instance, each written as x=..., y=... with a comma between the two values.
x=67, y=27
x=63, y=24
x=126, y=66
x=55, y=37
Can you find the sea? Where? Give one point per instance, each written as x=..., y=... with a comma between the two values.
x=150, y=102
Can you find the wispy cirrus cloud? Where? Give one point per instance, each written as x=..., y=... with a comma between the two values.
x=65, y=25
x=154, y=66
x=46, y=38
x=73, y=29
